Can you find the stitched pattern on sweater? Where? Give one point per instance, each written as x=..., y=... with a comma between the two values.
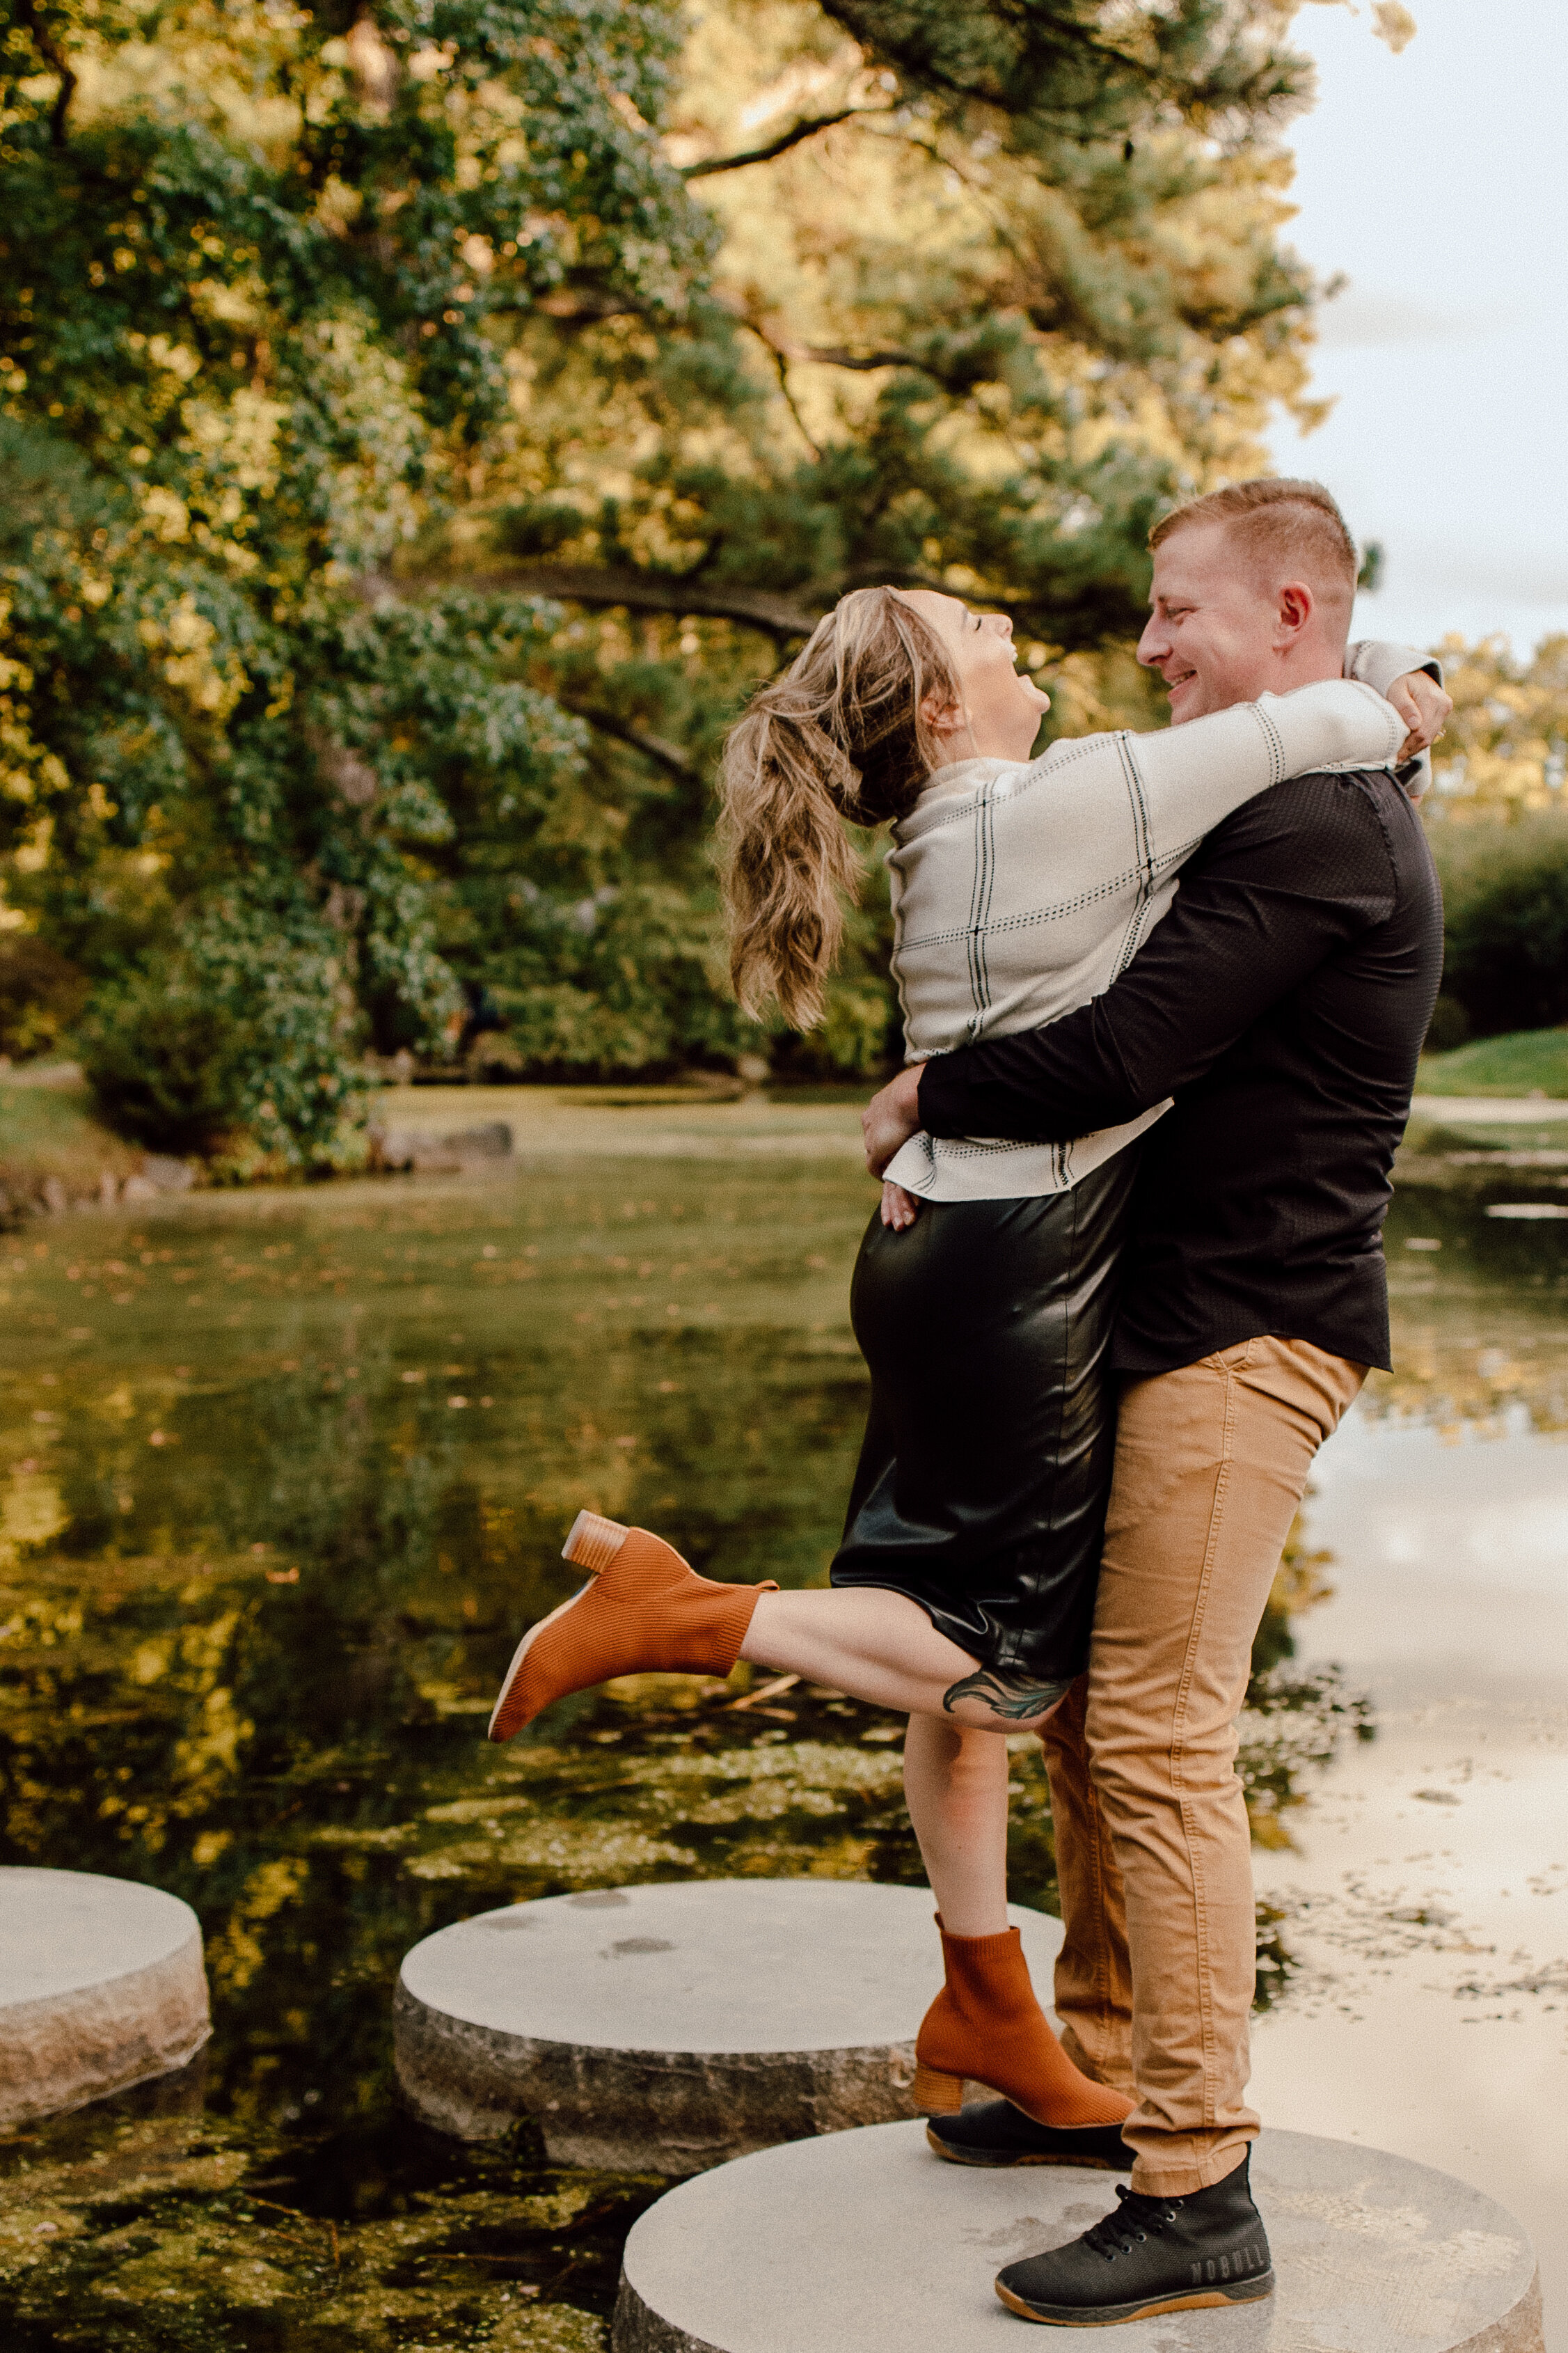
x=1137, y=922
x=979, y=911
x=919, y=823
x=1063, y=907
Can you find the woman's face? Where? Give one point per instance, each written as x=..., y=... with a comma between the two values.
x=1002, y=709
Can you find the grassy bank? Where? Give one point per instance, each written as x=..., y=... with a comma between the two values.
x=57, y=1152
x=52, y=1143
x=1523, y=1062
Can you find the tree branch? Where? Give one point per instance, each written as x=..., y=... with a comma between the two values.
x=657, y=748
x=834, y=355
x=829, y=356
x=566, y=308
x=55, y=58
x=640, y=592
x=781, y=359
x=780, y=146
x=839, y=355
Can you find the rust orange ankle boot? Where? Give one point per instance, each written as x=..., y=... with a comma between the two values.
x=987, y=2024
x=642, y=1608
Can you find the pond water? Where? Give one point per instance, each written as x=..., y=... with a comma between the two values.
x=1424, y=1895
x=281, y=1476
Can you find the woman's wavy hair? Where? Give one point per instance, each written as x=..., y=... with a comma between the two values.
x=840, y=740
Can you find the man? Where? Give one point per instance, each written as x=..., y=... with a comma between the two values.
x=1282, y=1002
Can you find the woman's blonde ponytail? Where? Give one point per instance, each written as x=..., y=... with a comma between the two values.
x=841, y=739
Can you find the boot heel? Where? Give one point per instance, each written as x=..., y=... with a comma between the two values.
x=594, y=1542
x=934, y=2093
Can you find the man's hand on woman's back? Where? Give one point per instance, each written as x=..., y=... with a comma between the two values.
x=890, y=1118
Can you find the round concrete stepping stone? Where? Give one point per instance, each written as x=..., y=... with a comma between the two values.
x=869, y=2243
x=667, y=2028
x=102, y=1986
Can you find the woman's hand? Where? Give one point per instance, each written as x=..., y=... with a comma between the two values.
x=1424, y=707
x=898, y=1208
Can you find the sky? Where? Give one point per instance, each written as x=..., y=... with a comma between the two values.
x=1435, y=181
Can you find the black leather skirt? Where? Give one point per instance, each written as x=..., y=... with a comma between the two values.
x=983, y=1474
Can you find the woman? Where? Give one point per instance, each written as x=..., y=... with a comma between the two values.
x=963, y=1590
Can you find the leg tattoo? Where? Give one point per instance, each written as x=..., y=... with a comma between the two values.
x=1010, y=1697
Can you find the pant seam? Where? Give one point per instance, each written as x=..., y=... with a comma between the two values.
x=1183, y=1689
x=1102, y=1971
x=1103, y=1975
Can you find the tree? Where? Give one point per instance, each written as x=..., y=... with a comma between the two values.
x=1507, y=743
x=421, y=424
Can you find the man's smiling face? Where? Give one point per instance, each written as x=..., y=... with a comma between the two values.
x=1212, y=633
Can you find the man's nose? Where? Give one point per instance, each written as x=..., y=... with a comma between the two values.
x=1155, y=644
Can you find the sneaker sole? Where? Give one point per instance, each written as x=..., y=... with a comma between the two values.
x=1113, y=2315
x=997, y=2159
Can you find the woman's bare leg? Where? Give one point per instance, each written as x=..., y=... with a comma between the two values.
x=986, y=2023
x=881, y=1648
x=646, y=1609
x=955, y=1786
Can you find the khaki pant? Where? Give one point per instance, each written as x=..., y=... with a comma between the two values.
x=1154, y=1982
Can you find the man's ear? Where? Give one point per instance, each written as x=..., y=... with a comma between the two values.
x=1294, y=607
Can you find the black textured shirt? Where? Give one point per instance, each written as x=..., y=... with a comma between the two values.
x=1283, y=1003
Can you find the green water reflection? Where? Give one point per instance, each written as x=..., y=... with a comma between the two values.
x=1480, y=1309
x=282, y=1478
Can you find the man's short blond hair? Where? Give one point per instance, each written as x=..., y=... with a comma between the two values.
x=1288, y=528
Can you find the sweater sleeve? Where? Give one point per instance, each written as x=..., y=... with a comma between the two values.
x=1275, y=892
x=1184, y=781
x=1378, y=664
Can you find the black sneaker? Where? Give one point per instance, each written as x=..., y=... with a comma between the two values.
x=1152, y=2255
x=994, y=2132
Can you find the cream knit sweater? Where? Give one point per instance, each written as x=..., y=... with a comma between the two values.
x=1022, y=890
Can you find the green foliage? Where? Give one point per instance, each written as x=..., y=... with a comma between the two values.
x=419, y=427
x=1450, y=1027
x=1505, y=896
x=249, y=1024
x=166, y=1067
x=41, y=992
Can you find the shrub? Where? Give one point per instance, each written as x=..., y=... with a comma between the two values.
x=1505, y=891
x=41, y=992
x=166, y=1063
x=278, y=971
x=248, y=1024
x=1448, y=1027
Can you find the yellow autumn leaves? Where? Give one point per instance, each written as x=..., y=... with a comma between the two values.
x=1504, y=749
